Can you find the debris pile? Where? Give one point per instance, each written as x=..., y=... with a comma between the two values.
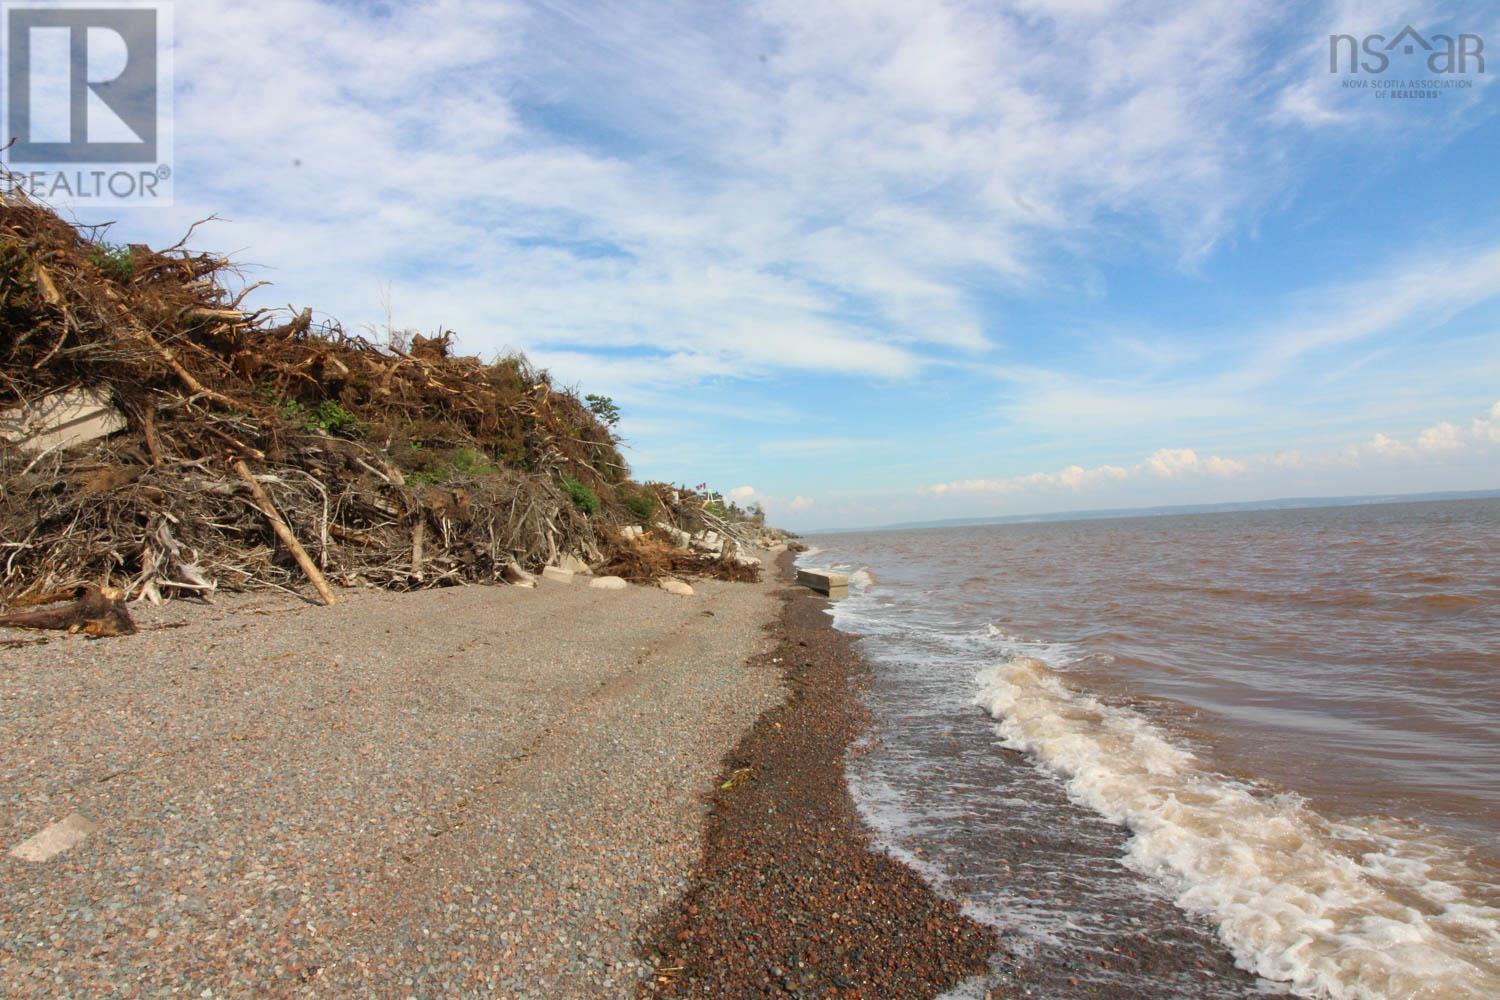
x=158, y=439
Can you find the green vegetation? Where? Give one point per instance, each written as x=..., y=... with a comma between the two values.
x=328, y=416
x=473, y=462
x=433, y=467
x=604, y=408
x=639, y=501
x=114, y=260
x=584, y=498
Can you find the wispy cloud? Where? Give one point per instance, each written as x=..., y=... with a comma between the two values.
x=788, y=186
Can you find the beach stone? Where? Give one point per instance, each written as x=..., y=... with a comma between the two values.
x=55, y=839
x=677, y=587
x=557, y=574
x=608, y=583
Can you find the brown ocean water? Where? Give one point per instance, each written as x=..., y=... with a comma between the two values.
x=1284, y=722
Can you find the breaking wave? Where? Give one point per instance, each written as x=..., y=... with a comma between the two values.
x=1361, y=912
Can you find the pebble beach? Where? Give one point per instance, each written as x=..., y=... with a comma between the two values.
x=474, y=791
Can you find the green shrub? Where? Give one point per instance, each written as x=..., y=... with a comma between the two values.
x=584, y=498
x=114, y=261
x=639, y=501
x=473, y=462
x=328, y=416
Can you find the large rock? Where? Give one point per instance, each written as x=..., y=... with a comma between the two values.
x=708, y=541
x=677, y=587
x=608, y=583
x=557, y=574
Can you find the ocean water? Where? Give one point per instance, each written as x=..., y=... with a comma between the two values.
x=1274, y=731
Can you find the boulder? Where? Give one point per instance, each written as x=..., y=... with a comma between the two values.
x=557, y=574
x=677, y=587
x=608, y=583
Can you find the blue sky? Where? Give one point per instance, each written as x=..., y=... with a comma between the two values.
x=870, y=261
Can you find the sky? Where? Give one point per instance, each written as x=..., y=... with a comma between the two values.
x=865, y=261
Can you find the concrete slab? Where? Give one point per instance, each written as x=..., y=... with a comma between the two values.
x=55, y=839
x=557, y=575
x=61, y=420
x=835, y=585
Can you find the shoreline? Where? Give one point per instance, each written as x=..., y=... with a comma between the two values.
x=796, y=894
x=791, y=896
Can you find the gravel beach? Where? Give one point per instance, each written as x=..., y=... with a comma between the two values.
x=478, y=791
x=791, y=898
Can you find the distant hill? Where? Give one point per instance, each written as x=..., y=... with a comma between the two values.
x=1286, y=503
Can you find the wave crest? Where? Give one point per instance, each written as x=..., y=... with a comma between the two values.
x=1334, y=910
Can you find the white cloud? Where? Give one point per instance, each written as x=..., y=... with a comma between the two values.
x=783, y=185
x=1441, y=439
x=742, y=492
x=1170, y=463
x=801, y=503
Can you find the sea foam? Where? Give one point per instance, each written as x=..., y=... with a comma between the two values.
x=1358, y=911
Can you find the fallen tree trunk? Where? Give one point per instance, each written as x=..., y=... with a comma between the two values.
x=93, y=613
x=263, y=501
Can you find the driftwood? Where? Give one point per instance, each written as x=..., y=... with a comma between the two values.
x=395, y=467
x=263, y=501
x=93, y=613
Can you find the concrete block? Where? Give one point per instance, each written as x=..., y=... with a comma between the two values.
x=573, y=564
x=835, y=585
x=608, y=583
x=557, y=575
x=61, y=420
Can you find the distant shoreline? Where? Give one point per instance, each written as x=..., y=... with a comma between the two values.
x=1230, y=507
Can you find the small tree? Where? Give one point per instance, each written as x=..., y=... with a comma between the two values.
x=604, y=408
